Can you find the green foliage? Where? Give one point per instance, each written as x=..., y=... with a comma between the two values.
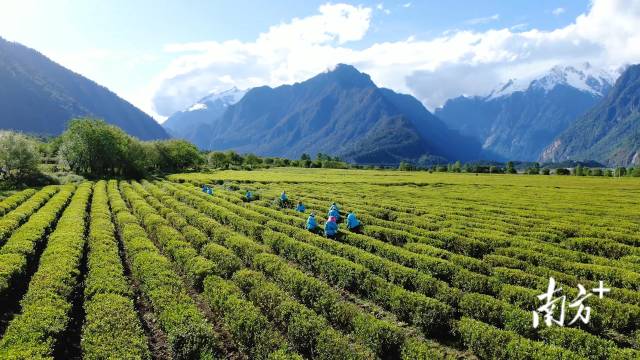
x=19, y=157
x=46, y=306
x=177, y=155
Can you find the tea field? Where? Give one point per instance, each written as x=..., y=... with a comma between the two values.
x=447, y=266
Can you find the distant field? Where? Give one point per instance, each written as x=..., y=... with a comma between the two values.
x=448, y=266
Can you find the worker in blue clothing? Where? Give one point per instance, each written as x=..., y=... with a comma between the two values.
x=333, y=211
x=331, y=228
x=312, y=225
x=209, y=190
x=204, y=188
x=283, y=201
x=300, y=207
x=353, y=224
x=248, y=196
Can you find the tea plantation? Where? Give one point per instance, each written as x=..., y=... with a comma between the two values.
x=447, y=266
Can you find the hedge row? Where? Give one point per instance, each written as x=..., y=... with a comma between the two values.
x=612, y=275
x=21, y=247
x=509, y=317
x=488, y=342
x=331, y=344
x=406, y=277
x=20, y=214
x=11, y=202
x=169, y=239
x=382, y=337
x=430, y=315
x=46, y=306
x=188, y=333
x=395, y=260
x=249, y=327
x=608, y=311
x=111, y=328
x=309, y=333
x=385, y=338
x=616, y=316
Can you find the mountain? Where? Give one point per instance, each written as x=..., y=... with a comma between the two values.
x=185, y=124
x=39, y=96
x=520, y=118
x=339, y=112
x=608, y=133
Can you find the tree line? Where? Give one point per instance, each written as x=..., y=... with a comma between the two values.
x=94, y=149
x=531, y=169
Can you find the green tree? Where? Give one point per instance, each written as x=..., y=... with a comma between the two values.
x=19, y=156
x=511, y=168
x=234, y=158
x=178, y=155
x=252, y=160
x=305, y=157
x=621, y=171
x=217, y=160
x=405, y=166
x=94, y=148
x=534, y=169
x=457, y=167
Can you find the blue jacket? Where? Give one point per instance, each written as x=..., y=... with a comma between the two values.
x=210, y=191
x=352, y=222
x=330, y=228
x=311, y=223
x=334, y=212
x=248, y=195
x=283, y=197
x=300, y=208
x=333, y=206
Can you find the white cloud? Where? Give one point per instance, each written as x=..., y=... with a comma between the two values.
x=519, y=27
x=383, y=9
x=558, y=11
x=458, y=62
x=406, y=5
x=483, y=20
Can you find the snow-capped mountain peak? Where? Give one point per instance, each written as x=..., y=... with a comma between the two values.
x=224, y=99
x=583, y=77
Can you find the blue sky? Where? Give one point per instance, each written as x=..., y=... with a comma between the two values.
x=163, y=55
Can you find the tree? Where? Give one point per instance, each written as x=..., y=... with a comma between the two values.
x=305, y=157
x=233, y=158
x=510, y=168
x=19, y=156
x=252, y=160
x=405, y=166
x=95, y=148
x=217, y=160
x=596, y=172
x=546, y=171
x=178, y=155
x=457, y=167
x=563, y=171
x=621, y=171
